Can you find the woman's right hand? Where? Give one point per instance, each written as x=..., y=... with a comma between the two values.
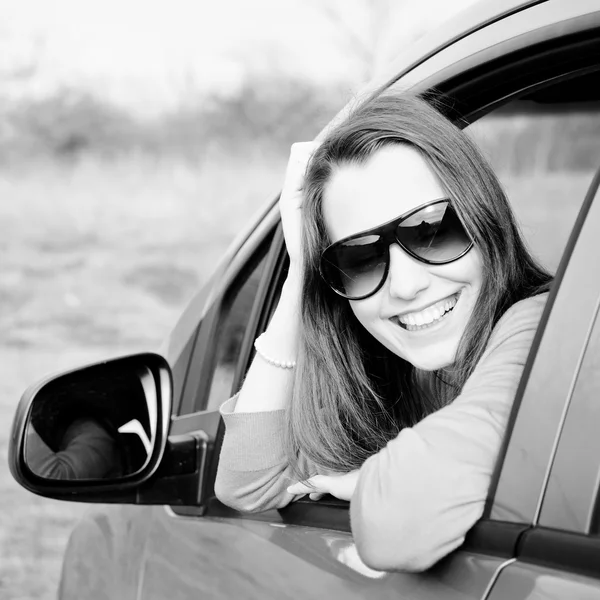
x=290, y=201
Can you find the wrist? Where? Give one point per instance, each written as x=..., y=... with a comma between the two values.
x=294, y=280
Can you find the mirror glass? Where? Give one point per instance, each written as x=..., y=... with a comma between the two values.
x=95, y=423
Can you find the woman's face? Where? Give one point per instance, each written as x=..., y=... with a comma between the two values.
x=407, y=315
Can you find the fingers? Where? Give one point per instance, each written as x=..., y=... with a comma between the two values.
x=319, y=484
x=341, y=486
x=300, y=154
x=290, y=201
x=301, y=487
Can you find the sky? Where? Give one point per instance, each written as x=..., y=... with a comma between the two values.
x=152, y=53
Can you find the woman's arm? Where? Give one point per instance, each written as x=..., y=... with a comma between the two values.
x=268, y=387
x=253, y=471
x=87, y=451
x=416, y=499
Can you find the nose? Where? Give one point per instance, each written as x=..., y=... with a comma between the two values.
x=407, y=276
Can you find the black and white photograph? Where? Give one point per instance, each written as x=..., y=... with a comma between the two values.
x=300, y=299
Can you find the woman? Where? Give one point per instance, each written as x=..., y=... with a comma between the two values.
x=387, y=373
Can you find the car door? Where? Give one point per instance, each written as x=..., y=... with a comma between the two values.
x=559, y=555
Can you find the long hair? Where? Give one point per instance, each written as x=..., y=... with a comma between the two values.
x=351, y=394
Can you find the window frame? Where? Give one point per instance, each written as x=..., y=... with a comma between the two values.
x=201, y=364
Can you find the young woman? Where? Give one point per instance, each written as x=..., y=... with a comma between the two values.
x=388, y=370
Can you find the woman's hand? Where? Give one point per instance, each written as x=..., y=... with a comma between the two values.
x=290, y=201
x=340, y=486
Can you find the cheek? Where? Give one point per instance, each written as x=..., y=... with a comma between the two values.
x=475, y=268
x=366, y=312
x=466, y=270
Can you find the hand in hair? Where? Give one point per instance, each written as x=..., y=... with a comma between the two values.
x=340, y=486
x=290, y=201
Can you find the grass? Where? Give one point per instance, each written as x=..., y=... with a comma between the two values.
x=98, y=259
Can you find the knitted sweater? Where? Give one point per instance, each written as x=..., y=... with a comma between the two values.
x=416, y=498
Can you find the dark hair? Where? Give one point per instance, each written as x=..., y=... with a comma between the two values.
x=351, y=394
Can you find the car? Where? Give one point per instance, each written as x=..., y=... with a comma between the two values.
x=162, y=533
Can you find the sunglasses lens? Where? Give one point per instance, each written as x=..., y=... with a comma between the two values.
x=357, y=267
x=434, y=234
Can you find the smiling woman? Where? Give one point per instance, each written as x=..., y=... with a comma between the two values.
x=388, y=370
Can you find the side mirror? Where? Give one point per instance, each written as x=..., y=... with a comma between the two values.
x=104, y=425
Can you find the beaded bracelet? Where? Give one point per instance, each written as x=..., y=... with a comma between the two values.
x=284, y=364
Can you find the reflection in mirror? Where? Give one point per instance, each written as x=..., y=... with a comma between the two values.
x=94, y=423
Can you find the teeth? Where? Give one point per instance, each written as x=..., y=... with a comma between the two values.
x=430, y=314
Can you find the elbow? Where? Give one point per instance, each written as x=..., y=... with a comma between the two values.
x=394, y=543
x=236, y=499
x=404, y=560
x=251, y=497
x=380, y=549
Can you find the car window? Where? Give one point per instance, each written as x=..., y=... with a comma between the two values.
x=230, y=333
x=545, y=148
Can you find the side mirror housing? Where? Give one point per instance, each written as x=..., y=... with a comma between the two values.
x=100, y=434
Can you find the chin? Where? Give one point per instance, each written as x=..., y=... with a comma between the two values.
x=435, y=360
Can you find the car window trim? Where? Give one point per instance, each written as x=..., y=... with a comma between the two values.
x=564, y=550
x=201, y=364
x=263, y=307
x=522, y=71
x=493, y=537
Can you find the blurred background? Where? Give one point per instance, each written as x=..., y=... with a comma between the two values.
x=136, y=138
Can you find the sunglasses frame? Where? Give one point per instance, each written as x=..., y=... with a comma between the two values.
x=388, y=230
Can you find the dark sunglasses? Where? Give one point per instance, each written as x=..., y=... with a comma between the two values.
x=356, y=267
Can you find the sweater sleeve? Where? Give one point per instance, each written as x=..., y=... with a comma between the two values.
x=253, y=471
x=416, y=499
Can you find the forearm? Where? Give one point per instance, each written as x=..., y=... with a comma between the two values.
x=253, y=471
x=414, y=504
x=269, y=387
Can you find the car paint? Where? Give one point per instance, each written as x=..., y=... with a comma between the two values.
x=533, y=582
x=265, y=560
x=175, y=556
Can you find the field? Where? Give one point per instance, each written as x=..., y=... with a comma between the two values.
x=98, y=259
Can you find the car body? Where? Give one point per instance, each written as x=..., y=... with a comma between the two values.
x=538, y=537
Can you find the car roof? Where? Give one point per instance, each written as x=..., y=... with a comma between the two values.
x=470, y=19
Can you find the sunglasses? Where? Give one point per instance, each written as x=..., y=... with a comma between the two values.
x=356, y=267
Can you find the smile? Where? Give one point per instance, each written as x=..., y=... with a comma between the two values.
x=429, y=316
